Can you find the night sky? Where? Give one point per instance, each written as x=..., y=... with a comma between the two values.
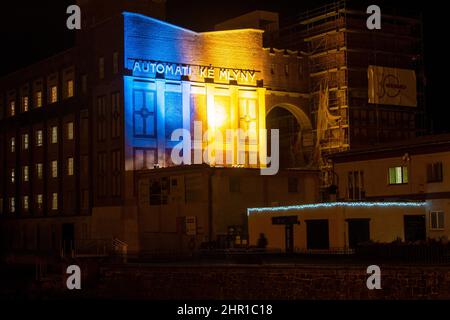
x=30, y=32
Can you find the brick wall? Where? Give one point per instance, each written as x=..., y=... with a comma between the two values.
x=269, y=282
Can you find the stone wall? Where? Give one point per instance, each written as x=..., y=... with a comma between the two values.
x=272, y=282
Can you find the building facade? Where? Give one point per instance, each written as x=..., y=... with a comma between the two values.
x=182, y=208
x=78, y=127
x=413, y=170
x=393, y=191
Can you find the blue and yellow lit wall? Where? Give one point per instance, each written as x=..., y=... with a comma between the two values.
x=176, y=77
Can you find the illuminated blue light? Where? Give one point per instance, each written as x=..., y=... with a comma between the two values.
x=336, y=204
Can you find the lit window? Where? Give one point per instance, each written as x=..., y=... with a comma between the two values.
x=54, y=169
x=25, y=104
x=38, y=99
x=54, y=134
x=39, y=138
x=54, y=94
x=25, y=203
x=69, y=88
x=39, y=201
x=54, y=201
x=116, y=62
x=12, y=205
x=12, y=108
x=70, y=166
x=13, y=144
x=70, y=131
x=25, y=172
x=101, y=68
x=437, y=220
x=39, y=170
x=13, y=175
x=25, y=141
x=398, y=175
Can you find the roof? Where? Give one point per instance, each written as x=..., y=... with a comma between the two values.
x=420, y=145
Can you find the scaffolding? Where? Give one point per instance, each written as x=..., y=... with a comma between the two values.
x=339, y=48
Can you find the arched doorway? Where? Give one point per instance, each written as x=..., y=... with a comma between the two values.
x=296, y=136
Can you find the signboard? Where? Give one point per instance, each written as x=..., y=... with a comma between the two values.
x=287, y=220
x=392, y=86
x=175, y=71
x=191, y=226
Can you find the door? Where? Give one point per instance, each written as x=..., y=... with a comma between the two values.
x=358, y=232
x=289, y=238
x=317, y=234
x=415, y=228
x=68, y=237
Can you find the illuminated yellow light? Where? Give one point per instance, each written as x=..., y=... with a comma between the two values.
x=218, y=118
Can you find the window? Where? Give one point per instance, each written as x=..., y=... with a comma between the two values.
x=292, y=184
x=102, y=174
x=101, y=118
x=159, y=191
x=54, y=201
x=39, y=170
x=12, y=205
x=25, y=141
x=116, y=62
x=116, y=177
x=25, y=104
x=69, y=88
x=84, y=83
x=437, y=220
x=84, y=199
x=25, y=173
x=1, y=205
x=286, y=70
x=434, y=172
x=70, y=131
x=398, y=175
x=39, y=201
x=13, y=175
x=12, y=108
x=115, y=115
x=25, y=203
x=272, y=68
x=12, y=144
x=55, y=134
x=54, y=169
x=38, y=99
x=53, y=94
x=39, y=138
x=101, y=68
x=235, y=184
x=70, y=166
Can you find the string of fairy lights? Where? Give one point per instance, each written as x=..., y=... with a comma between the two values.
x=335, y=204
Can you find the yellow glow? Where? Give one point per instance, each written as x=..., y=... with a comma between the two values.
x=219, y=117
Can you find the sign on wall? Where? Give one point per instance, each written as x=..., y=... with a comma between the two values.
x=175, y=71
x=392, y=86
x=191, y=226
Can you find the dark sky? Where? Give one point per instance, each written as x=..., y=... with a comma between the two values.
x=35, y=30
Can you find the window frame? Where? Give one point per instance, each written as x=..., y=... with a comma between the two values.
x=438, y=226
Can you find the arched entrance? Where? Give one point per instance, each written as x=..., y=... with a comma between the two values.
x=296, y=136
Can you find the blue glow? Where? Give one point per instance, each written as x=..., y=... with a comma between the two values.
x=336, y=204
x=153, y=107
